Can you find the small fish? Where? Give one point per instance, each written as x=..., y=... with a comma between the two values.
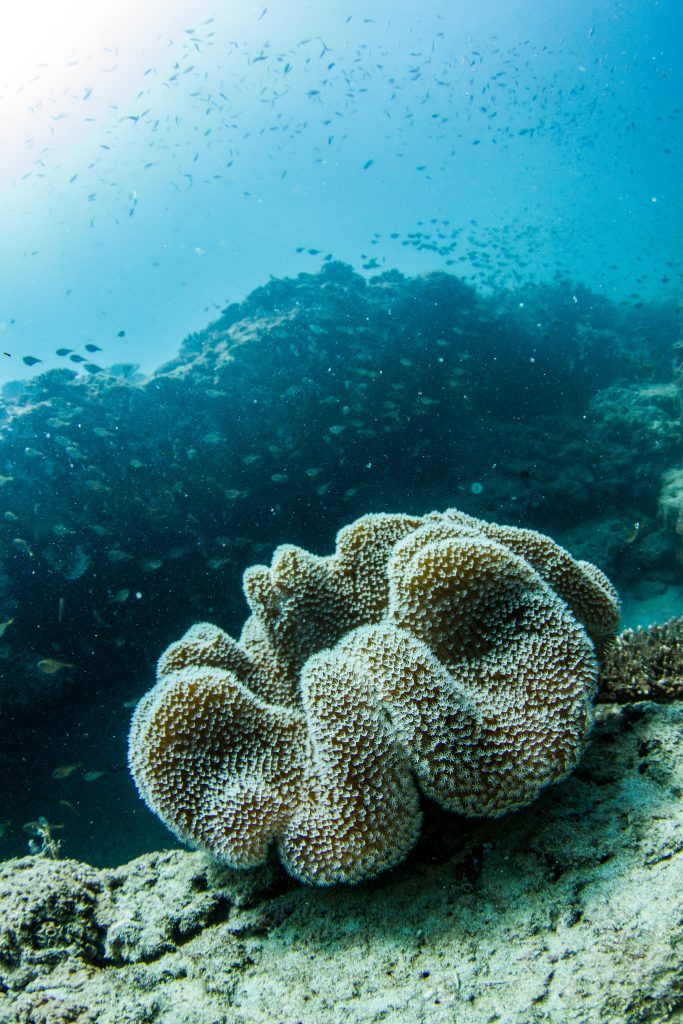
x=92, y=368
x=66, y=803
x=120, y=596
x=93, y=775
x=65, y=770
x=631, y=535
x=75, y=358
x=4, y=826
x=117, y=555
x=50, y=666
x=4, y=626
x=31, y=360
x=90, y=347
x=99, y=531
x=60, y=530
x=64, y=351
x=151, y=564
x=121, y=334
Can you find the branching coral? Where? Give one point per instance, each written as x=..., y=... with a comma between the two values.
x=441, y=655
x=644, y=664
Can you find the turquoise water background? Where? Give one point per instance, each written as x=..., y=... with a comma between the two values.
x=159, y=159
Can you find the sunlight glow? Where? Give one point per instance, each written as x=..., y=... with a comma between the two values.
x=55, y=56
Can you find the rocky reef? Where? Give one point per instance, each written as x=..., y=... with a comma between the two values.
x=131, y=507
x=568, y=910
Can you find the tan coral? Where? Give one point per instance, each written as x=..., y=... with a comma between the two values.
x=644, y=664
x=441, y=655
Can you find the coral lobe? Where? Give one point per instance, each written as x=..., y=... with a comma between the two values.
x=441, y=655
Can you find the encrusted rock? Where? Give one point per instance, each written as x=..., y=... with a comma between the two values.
x=569, y=911
x=161, y=900
x=49, y=914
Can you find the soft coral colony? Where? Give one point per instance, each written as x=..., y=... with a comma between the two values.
x=440, y=655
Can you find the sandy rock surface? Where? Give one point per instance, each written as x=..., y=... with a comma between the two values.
x=569, y=911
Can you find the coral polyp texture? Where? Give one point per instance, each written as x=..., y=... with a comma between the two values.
x=440, y=655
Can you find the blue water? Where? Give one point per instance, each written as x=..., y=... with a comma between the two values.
x=161, y=160
x=158, y=162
